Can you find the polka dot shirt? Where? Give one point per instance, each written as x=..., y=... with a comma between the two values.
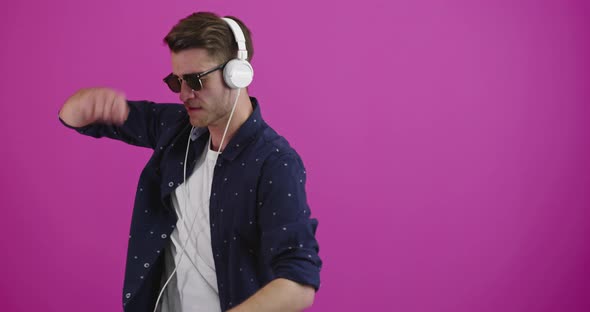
x=260, y=221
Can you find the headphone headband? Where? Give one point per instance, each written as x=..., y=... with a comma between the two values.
x=239, y=36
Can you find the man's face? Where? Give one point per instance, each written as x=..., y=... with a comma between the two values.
x=211, y=105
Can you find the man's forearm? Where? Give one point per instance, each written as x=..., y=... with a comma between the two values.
x=279, y=295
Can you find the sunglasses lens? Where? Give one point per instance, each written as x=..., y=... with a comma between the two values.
x=173, y=83
x=193, y=82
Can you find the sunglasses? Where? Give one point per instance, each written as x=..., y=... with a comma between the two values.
x=192, y=80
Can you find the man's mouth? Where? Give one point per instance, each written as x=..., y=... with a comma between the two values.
x=193, y=108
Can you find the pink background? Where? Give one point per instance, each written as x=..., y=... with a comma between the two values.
x=446, y=142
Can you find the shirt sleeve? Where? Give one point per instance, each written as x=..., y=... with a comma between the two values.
x=288, y=242
x=142, y=127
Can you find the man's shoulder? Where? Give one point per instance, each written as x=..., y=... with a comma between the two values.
x=275, y=149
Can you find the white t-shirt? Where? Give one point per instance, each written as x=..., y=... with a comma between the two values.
x=194, y=286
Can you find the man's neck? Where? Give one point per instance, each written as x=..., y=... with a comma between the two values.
x=243, y=111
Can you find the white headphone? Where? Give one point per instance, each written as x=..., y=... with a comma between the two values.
x=238, y=73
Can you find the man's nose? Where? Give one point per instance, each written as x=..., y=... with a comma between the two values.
x=186, y=92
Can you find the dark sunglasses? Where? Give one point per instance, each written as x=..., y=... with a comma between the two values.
x=192, y=80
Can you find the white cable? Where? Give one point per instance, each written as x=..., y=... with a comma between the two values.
x=187, y=193
x=228, y=121
x=184, y=179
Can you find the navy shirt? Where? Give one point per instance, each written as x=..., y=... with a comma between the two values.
x=260, y=220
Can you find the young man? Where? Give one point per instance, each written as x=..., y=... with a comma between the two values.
x=221, y=220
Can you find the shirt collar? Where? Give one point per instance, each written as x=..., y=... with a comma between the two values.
x=246, y=133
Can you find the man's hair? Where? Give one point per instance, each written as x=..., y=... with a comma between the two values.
x=208, y=31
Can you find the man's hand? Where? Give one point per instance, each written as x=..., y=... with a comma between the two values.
x=92, y=105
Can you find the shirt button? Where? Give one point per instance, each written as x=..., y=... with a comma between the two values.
x=128, y=295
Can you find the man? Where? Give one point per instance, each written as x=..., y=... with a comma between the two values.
x=220, y=220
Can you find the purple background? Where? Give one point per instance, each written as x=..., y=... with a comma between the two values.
x=446, y=142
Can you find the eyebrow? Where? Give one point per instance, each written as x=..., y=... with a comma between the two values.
x=189, y=73
x=205, y=72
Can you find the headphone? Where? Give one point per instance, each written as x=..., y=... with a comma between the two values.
x=238, y=73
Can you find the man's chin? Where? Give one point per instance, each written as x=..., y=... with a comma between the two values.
x=198, y=123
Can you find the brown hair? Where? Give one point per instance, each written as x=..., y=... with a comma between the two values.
x=208, y=31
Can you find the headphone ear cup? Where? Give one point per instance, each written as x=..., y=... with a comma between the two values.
x=238, y=74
